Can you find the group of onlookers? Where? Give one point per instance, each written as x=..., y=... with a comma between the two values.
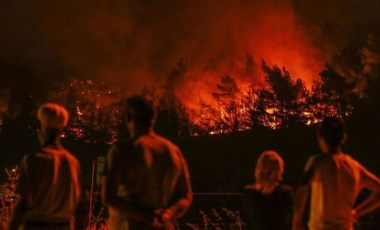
x=146, y=183
x=334, y=178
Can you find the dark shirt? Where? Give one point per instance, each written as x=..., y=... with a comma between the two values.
x=50, y=183
x=269, y=211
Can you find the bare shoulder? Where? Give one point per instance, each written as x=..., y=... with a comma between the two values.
x=167, y=143
x=350, y=159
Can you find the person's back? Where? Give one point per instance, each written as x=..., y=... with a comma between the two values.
x=146, y=183
x=51, y=184
x=336, y=180
x=269, y=211
x=335, y=187
x=149, y=168
x=268, y=204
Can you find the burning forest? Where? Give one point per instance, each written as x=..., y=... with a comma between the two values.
x=235, y=102
x=213, y=68
x=212, y=100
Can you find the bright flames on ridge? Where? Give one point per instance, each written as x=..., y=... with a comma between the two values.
x=234, y=105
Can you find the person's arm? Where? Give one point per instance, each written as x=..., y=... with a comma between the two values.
x=81, y=212
x=109, y=192
x=183, y=195
x=19, y=211
x=301, y=195
x=371, y=182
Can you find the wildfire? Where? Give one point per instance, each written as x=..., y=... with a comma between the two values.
x=218, y=87
x=234, y=104
x=94, y=115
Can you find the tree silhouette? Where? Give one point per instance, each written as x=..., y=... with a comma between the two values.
x=229, y=103
x=285, y=98
x=367, y=108
x=335, y=90
x=172, y=118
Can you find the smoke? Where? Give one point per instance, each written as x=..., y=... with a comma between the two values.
x=333, y=25
x=135, y=43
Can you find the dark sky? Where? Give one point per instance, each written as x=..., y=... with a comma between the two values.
x=134, y=42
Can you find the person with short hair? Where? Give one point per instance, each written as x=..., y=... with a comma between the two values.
x=268, y=204
x=336, y=179
x=49, y=186
x=146, y=183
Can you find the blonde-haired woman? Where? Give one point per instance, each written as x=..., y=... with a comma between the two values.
x=268, y=204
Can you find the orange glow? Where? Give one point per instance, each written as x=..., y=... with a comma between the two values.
x=274, y=37
x=270, y=111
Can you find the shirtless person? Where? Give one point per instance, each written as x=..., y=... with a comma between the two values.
x=146, y=182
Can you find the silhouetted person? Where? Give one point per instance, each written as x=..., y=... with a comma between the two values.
x=336, y=180
x=49, y=184
x=268, y=204
x=146, y=182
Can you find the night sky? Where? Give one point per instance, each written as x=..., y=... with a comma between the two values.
x=134, y=42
